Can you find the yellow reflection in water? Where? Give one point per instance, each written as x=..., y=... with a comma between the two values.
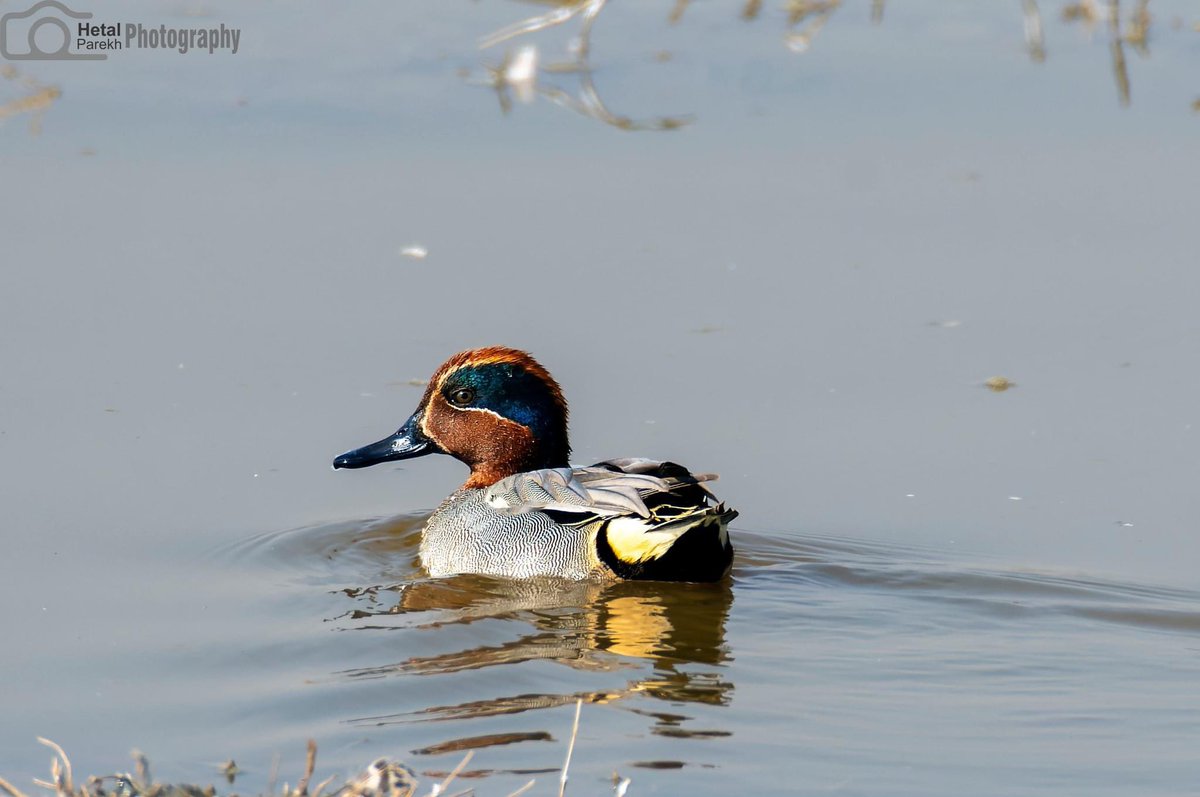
x=656, y=632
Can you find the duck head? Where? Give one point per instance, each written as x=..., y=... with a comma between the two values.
x=496, y=409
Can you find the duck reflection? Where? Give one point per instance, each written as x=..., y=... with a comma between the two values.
x=658, y=632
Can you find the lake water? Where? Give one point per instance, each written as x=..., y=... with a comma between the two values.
x=852, y=222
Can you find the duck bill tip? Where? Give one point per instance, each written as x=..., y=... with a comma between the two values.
x=407, y=443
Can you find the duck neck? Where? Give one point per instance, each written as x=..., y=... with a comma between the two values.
x=486, y=472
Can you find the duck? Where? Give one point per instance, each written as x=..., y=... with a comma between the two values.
x=525, y=511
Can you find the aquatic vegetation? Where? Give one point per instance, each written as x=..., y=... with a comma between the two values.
x=382, y=778
x=1092, y=14
x=35, y=98
x=524, y=73
x=518, y=72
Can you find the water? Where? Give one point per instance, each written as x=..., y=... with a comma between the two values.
x=939, y=588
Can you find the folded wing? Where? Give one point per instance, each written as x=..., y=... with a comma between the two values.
x=607, y=489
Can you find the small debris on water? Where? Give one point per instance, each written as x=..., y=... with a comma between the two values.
x=414, y=252
x=999, y=384
x=520, y=73
x=1125, y=524
x=1015, y=498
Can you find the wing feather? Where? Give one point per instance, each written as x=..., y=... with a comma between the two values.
x=652, y=519
x=608, y=489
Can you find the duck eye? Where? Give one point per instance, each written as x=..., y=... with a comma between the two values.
x=462, y=397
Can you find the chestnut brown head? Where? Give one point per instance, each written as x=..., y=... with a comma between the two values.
x=496, y=409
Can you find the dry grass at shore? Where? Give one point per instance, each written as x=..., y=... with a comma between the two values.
x=383, y=778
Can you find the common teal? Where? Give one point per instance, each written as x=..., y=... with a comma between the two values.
x=525, y=511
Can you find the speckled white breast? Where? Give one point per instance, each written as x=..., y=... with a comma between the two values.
x=465, y=535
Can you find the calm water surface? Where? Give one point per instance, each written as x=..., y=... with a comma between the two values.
x=854, y=218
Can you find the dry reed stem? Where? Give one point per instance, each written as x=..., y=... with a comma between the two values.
x=321, y=786
x=1035, y=39
x=143, y=785
x=677, y=11
x=522, y=790
x=562, y=781
x=60, y=770
x=454, y=772
x=273, y=778
x=531, y=25
x=13, y=791
x=310, y=763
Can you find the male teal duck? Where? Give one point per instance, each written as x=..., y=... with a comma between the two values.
x=525, y=511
